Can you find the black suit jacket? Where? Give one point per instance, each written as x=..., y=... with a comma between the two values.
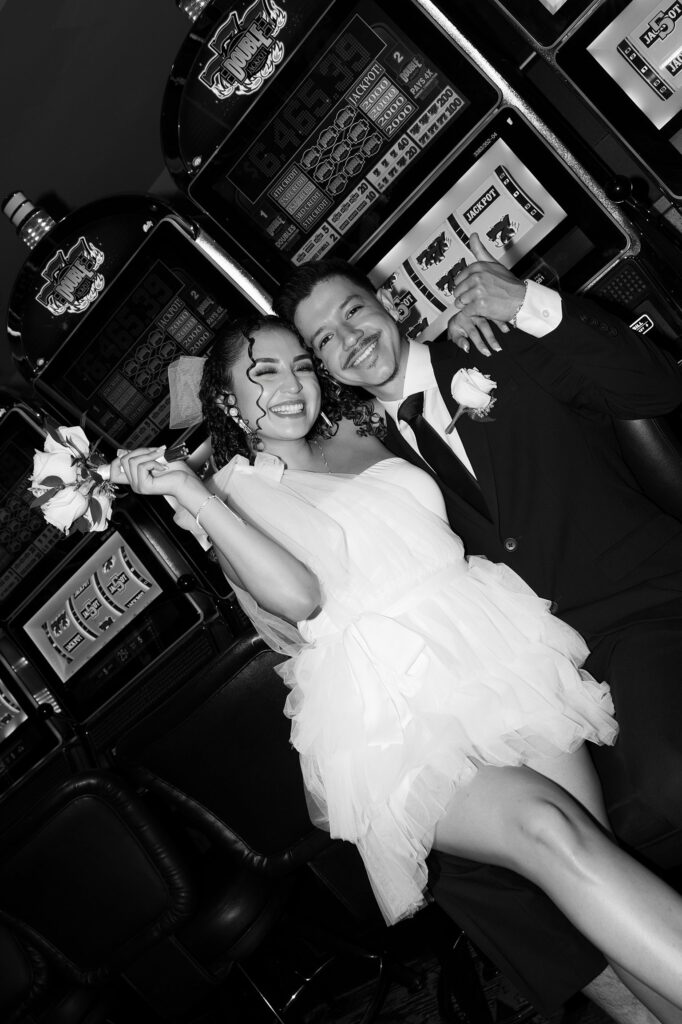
x=564, y=510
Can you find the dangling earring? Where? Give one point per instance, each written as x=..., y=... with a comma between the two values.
x=325, y=419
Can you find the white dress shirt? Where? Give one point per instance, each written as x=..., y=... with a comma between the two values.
x=540, y=313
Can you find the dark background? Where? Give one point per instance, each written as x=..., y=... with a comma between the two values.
x=81, y=85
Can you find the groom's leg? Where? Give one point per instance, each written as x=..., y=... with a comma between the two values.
x=521, y=931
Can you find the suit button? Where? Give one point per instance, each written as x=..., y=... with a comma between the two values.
x=511, y=543
x=554, y=607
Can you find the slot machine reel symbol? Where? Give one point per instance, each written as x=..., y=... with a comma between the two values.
x=323, y=171
x=345, y=117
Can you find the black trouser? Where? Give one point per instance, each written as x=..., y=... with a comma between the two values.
x=517, y=927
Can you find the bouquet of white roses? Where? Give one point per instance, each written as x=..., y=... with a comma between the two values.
x=70, y=482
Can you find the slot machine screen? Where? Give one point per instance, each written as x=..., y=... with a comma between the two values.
x=546, y=21
x=169, y=300
x=374, y=99
x=29, y=547
x=525, y=205
x=105, y=616
x=627, y=60
x=26, y=737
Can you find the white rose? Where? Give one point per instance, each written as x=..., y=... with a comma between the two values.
x=471, y=389
x=104, y=498
x=57, y=464
x=76, y=438
x=65, y=507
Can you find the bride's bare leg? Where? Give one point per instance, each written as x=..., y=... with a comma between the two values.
x=519, y=819
x=576, y=773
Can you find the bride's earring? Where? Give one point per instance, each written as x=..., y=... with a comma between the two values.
x=231, y=409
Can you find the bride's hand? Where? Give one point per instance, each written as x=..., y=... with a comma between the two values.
x=145, y=474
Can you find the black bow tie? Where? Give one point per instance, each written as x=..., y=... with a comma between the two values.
x=436, y=451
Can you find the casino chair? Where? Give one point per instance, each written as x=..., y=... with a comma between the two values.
x=652, y=448
x=23, y=975
x=217, y=753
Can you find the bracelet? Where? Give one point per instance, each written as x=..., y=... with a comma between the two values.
x=512, y=320
x=203, y=506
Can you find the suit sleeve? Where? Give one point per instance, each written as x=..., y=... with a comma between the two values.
x=594, y=362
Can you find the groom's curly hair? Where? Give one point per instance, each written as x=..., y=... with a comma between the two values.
x=228, y=439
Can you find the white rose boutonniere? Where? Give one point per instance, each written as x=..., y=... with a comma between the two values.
x=70, y=482
x=471, y=390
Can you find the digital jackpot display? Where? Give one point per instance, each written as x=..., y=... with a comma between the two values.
x=342, y=135
x=627, y=61
x=168, y=301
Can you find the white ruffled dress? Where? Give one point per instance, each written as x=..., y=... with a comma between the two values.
x=421, y=666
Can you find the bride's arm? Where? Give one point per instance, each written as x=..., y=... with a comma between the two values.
x=279, y=582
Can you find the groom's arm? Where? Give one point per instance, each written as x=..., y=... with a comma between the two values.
x=587, y=357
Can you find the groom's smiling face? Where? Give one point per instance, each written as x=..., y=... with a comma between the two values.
x=350, y=331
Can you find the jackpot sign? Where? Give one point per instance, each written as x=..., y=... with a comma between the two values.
x=245, y=51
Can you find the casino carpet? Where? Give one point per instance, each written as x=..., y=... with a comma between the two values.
x=403, y=1006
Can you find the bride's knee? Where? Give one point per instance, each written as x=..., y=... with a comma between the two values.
x=548, y=835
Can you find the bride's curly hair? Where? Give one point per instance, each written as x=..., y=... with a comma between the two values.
x=227, y=439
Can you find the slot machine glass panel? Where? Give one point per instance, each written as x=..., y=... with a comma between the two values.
x=27, y=737
x=169, y=300
x=367, y=103
x=626, y=59
x=545, y=21
x=527, y=207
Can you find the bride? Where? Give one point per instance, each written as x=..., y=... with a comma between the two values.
x=435, y=701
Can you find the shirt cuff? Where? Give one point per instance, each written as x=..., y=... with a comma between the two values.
x=541, y=311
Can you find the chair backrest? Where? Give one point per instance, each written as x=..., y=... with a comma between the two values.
x=23, y=973
x=219, y=750
x=652, y=448
x=91, y=878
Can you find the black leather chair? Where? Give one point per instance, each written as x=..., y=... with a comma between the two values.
x=218, y=753
x=23, y=976
x=93, y=882
x=652, y=449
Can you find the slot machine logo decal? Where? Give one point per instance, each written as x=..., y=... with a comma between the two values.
x=72, y=280
x=246, y=51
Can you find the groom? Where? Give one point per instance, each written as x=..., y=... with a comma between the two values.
x=538, y=483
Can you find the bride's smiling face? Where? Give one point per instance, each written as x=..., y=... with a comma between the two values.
x=275, y=386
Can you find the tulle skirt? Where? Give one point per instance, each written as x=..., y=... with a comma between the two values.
x=394, y=709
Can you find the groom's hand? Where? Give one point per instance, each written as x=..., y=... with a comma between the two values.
x=484, y=289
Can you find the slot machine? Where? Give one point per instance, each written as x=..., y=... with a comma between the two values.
x=107, y=299
x=608, y=70
x=381, y=135
x=95, y=627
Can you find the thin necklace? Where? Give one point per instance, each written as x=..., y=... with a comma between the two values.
x=321, y=451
